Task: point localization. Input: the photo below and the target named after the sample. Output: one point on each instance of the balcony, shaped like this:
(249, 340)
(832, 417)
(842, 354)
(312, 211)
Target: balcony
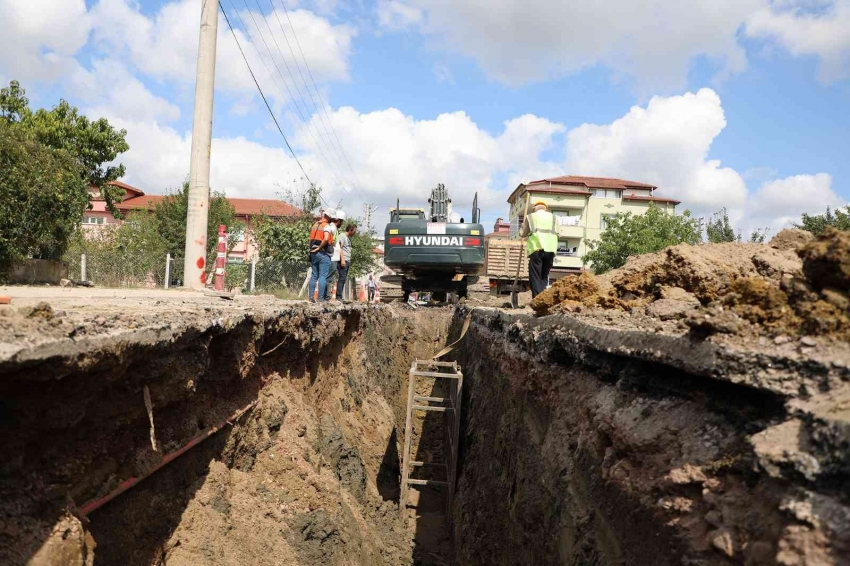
(568, 259)
(574, 231)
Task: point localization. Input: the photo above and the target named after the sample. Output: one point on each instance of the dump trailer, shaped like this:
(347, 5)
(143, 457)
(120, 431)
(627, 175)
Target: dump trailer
(502, 255)
(430, 251)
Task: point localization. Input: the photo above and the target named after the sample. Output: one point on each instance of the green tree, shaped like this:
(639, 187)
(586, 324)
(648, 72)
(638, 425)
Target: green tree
(94, 144)
(42, 198)
(170, 217)
(629, 235)
(817, 223)
(718, 229)
(284, 247)
(758, 236)
(362, 259)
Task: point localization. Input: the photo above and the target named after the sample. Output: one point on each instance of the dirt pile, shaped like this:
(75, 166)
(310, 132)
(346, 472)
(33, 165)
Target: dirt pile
(797, 285)
(568, 291)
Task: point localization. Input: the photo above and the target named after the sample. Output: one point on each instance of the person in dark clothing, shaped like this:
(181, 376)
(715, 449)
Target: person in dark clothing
(542, 244)
(539, 266)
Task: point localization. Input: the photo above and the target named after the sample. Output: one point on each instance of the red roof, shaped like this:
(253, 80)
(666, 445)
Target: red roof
(255, 206)
(651, 199)
(582, 185)
(595, 182)
(243, 206)
(129, 188)
(141, 202)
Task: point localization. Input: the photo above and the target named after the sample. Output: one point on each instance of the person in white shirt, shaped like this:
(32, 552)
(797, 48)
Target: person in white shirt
(333, 227)
(344, 263)
(371, 286)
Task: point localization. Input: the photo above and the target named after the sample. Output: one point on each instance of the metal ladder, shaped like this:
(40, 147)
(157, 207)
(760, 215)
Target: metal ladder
(450, 406)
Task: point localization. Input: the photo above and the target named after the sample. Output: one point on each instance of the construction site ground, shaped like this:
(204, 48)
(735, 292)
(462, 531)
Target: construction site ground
(692, 407)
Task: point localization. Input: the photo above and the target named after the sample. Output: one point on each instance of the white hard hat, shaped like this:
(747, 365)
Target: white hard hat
(340, 214)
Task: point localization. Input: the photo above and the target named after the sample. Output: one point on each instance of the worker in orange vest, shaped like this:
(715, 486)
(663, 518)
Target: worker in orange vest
(321, 248)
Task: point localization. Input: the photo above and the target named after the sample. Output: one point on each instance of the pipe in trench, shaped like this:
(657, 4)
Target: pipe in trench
(96, 504)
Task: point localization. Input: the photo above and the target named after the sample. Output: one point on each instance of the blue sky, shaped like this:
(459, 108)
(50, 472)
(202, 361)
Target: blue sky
(742, 104)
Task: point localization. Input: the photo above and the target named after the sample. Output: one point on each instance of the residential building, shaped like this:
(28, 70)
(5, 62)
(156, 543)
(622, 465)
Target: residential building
(98, 217)
(136, 199)
(581, 206)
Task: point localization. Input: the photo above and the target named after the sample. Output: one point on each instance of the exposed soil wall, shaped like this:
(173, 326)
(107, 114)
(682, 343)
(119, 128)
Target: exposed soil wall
(307, 475)
(584, 444)
(585, 439)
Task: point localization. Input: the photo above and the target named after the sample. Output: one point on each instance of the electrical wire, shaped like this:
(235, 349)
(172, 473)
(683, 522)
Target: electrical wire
(320, 110)
(265, 100)
(321, 152)
(328, 147)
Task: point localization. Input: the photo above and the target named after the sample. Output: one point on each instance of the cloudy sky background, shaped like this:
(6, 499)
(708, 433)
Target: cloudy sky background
(736, 103)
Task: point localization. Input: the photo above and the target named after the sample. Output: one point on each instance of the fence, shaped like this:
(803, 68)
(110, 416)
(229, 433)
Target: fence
(107, 269)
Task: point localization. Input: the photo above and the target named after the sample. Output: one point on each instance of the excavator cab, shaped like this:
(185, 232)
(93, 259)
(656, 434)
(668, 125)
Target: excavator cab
(430, 251)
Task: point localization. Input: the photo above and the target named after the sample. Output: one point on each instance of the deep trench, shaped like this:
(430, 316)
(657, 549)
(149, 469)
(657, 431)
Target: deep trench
(553, 467)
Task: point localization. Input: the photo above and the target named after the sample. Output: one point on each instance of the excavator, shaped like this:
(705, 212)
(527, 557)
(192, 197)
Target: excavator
(439, 253)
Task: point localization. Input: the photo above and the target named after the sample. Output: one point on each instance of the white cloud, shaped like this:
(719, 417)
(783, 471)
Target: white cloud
(110, 90)
(778, 203)
(159, 159)
(397, 15)
(38, 38)
(666, 144)
(394, 155)
(164, 47)
(822, 30)
(516, 41)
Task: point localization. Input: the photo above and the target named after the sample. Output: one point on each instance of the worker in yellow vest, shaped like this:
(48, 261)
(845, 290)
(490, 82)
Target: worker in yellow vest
(542, 244)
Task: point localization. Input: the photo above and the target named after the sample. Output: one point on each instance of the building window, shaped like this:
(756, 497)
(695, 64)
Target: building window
(605, 193)
(566, 248)
(603, 221)
(94, 220)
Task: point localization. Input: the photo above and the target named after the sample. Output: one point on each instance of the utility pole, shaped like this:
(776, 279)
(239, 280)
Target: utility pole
(194, 261)
(368, 209)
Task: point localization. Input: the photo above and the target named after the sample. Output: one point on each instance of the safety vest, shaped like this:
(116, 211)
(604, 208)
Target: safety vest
(317, 234)
(544, 232)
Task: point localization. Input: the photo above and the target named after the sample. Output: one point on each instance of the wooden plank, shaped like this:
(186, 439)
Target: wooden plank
(435, 363)
(408, 424)
(427, 482)
(435, 409)
(420, 399)
(434, 374)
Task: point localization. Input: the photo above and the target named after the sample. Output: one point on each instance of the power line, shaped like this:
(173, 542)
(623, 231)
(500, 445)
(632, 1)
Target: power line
(319, 95)
(321, 151)
(263, 96)
(328, 146)
(320, 110)
(313, 80)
